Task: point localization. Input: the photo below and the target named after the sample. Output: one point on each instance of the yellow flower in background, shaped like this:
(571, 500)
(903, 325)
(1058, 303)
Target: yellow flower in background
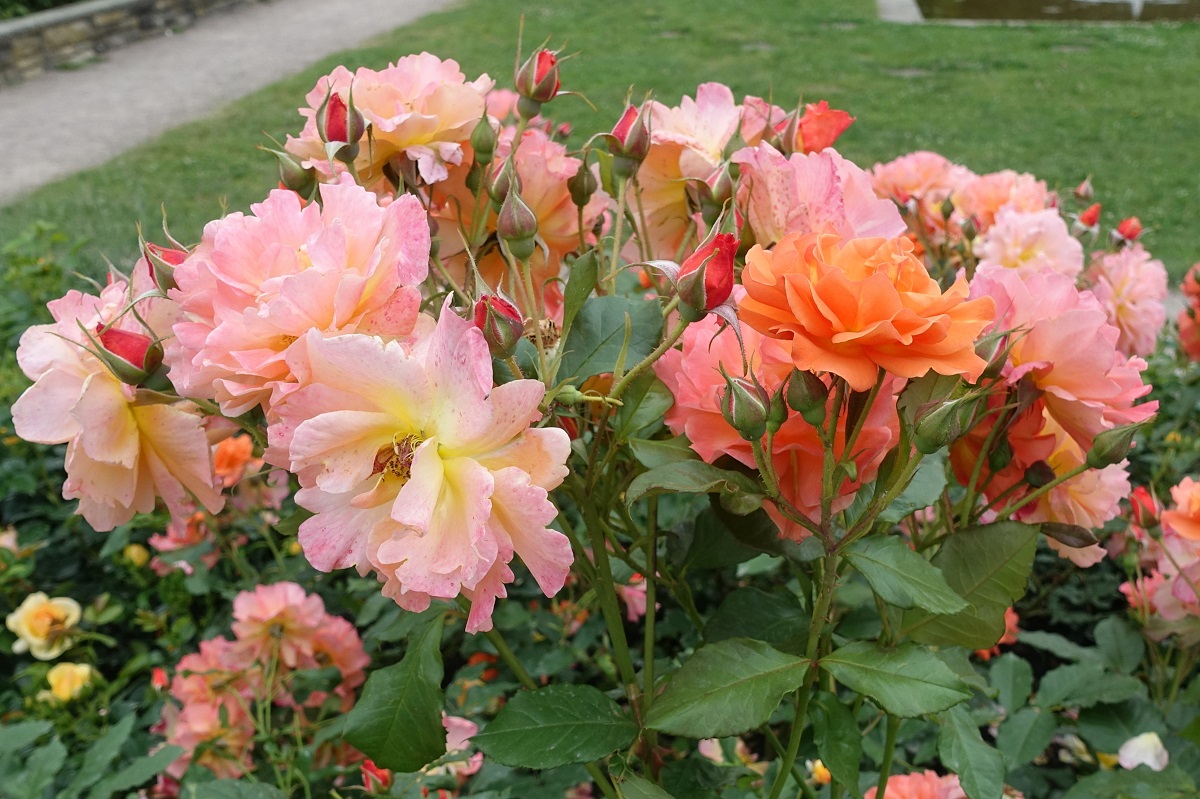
(66, 680)
(43, 625)
(136, 554)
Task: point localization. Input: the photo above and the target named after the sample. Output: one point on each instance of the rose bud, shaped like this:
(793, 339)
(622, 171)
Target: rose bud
(807, 395)
(1144, 510)
(501, 323)
(1090, 216)
(339, 122)
(706, 276)
(375, 779)
(746, 406)
(582, 185)
(130, 356)
(162, 264)
(517, 227)
(537, 81)
(1084, 190)
(629, 141)
(1128, 230)
(483, 141)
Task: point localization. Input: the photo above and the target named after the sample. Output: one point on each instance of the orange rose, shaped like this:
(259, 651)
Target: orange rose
(1184, 518)
(852, 306)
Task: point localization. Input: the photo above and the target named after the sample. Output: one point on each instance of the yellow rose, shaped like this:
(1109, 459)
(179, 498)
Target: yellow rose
(66, 681)
(136, 554)
(43, 626)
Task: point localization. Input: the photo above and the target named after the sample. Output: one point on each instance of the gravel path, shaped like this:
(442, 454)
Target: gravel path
(62, 122)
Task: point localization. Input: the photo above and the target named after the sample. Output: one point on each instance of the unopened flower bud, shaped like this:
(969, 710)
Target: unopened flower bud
(501, 323)
(706, 276)
(159, 680)
(517, 227)
(338, 121)
(807, 394)
(504, 181)
(1144, 510)
(1090, 216)
(537, 79)
(483, 141)
(293, 176)
(582, 185)
(1112, 446)
(746, 406)
(970, 228)
(778, 413)
(1039, 473)
(376, 779)
(1084, 190)
(136, 554)
(943, 425)
(947, 208)
(1128, 230)
(132, 357)
(162, 262)
(629, 142)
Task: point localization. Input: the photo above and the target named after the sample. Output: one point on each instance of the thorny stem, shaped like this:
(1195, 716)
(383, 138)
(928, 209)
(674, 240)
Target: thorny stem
(664, 345)
(889, 747)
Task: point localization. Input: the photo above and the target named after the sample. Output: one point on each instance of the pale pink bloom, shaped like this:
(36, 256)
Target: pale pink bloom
(1062, 340)
(981, 197)
(710, 749)
(693, 376)
(634, 597)
(687, 145)
(1144, 750)
(222, 731)
(502, 105)
(419, 469)
(923, 785)
(215, 672)
(124, 447)
(543, 168)
(184, 534)
(810, 193)
(1141, 592)
(760, 120)
(1028, 242)
(922, 180)
(420, 109)
(1131, 287)
(257, 283)
(458, 739)
(277, 619)
(336, 643)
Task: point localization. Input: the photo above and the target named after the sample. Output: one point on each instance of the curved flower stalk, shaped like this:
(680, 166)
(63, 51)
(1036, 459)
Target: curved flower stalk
(418, 469)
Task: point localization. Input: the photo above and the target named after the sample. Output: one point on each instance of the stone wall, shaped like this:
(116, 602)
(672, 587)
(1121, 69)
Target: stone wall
(74, 34)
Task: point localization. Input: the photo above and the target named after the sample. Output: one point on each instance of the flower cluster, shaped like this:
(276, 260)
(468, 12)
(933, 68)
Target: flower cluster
(279, 632)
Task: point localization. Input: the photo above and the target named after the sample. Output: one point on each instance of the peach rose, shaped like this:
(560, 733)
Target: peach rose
(853, 306)
(1184, 518)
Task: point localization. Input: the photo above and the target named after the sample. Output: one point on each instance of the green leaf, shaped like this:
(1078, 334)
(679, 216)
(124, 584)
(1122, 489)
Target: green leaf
(646, 401)
(232, 789)
(901, 577)
(690, 477)
(554, 726)
(14, 737)
(907, 681)
(839, 742)
(988, 567)
(38, 773)
(98, 758)
(979, 767)
(398, 720)
(634, 787)
(584, 271)
(659, 452)
(115, 542)
(922, 491)
(1012, 678)
(1107, 726)
(1140, 783)
(1025, 735)
(595, 341)
(1121, 645)
(1055, 644)
(753, 613)
(725, 689)
(708, 544)
(136, 773)
(1083, 685)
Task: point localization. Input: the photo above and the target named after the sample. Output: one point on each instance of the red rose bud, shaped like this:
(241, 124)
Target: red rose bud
(501, 323)
(537, 79)
(746, 406)
(629, 142)
(1129, 229)
(293, 176)
(339, 122)
(375, 779)
(517, 227)
(1144, 510)
(1084, 190)
(158, 679)
(1090, 216)
(132, 357)
(820, 126)
(483, 141)
(162, 264)
(706, 276)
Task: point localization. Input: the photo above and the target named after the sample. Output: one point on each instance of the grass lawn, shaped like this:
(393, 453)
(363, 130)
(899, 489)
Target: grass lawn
(1119, 102)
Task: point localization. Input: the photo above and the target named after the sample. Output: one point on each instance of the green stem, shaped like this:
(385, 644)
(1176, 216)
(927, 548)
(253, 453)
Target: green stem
(664, 345)
(889, 746)
(1037, 492)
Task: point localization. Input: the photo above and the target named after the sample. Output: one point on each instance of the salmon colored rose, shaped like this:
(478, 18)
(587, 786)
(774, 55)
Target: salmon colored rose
(854, 306)
(1184, 518)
